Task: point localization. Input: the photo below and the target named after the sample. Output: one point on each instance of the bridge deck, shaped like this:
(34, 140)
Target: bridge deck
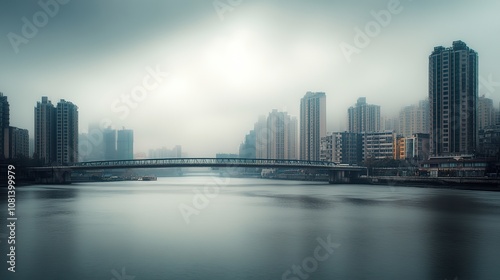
(208, 162)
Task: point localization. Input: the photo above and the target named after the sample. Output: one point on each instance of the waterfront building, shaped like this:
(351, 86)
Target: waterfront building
(378, 145)
(453, 96)
(342, 147)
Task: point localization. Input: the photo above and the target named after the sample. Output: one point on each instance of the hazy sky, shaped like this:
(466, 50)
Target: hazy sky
(228, 66)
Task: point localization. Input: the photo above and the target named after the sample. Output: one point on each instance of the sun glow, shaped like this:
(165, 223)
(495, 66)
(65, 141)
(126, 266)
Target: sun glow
(234, 60)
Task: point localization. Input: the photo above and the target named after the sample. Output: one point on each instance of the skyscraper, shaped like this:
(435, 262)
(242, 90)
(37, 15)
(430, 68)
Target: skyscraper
(4, 126)
(45, 131)
(312, 124)
(109, 140)
(453, 95)
(125, 144)
(281, 136)
(66, 132)
(364, 117)
(260, 129)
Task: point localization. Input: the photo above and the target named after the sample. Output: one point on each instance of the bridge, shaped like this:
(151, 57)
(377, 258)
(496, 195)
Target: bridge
(339, 173)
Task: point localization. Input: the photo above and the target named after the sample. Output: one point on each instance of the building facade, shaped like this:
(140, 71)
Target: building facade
(414, 119)
(342, 147)
(125, 144)
(417, 147)
(363, 117)
(260, 129)
(312, 124)
(486, 113)
(378, 145)
(4, 126)
(19, 143)
(281, 136)
(45, 131)
(66, 132)
(453, 96)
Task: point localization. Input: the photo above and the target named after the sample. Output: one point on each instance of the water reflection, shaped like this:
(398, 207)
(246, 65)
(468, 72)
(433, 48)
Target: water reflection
(254, 229)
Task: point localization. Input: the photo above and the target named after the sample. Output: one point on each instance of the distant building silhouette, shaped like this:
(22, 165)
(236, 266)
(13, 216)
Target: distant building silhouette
(486, 113)
(414, 119)
(453, 95)
(125, 144)
(364, 117)
(247, 148)
(260, 129)
(312, 124)
(281, 136)
(175, 152)
(109, 140)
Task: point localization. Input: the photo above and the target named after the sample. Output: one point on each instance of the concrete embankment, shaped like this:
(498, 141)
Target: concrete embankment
(472, 183)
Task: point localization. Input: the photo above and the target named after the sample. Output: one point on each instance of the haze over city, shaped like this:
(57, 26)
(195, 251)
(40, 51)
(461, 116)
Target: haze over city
(228, 66)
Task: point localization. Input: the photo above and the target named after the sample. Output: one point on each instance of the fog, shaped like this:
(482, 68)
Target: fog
(199, 73)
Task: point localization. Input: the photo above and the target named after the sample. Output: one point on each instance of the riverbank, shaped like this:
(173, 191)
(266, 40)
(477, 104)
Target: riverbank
(469, 183)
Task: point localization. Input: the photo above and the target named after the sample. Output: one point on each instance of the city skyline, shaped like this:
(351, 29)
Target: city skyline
(208, 76)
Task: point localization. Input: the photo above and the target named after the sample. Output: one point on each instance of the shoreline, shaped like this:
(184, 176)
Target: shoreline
(464, 183)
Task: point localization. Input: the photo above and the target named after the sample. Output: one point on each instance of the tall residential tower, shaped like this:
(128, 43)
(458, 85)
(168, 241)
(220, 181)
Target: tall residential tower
(453, 96)
(364, 117)
(312, 124)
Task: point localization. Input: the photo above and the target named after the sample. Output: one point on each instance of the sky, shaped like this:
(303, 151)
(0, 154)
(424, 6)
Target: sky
(199, 73)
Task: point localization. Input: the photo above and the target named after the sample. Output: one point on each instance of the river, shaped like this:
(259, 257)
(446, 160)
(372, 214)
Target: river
(207, 227)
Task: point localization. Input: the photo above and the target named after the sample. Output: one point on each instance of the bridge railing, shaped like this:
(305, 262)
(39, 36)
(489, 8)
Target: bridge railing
(207, 161)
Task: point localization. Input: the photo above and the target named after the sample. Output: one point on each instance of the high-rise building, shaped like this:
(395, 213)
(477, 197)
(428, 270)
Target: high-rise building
(453, 96)
(19, 143)
(390, 123)
(4, 126)
(312, 124)
(485, 113)
(45, 131)
(66, 132)
(281, 136)
(364, 117)
(261, 132)
(109, 140)
(125, 144)
(247, 148)
(414, 119)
